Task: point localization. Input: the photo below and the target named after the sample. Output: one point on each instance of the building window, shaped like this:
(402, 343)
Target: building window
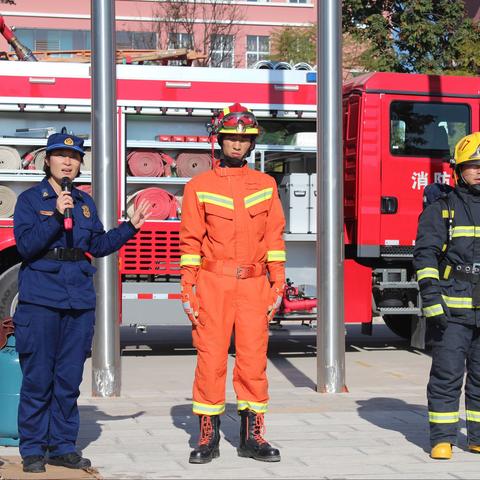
(136, 40)
(258, 48)
(298, 1)
(221, 47)
(179, 40)
(38, 39)
(42, 39)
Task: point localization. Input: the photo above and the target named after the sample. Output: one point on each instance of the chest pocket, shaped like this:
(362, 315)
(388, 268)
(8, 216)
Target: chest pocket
(215, 213)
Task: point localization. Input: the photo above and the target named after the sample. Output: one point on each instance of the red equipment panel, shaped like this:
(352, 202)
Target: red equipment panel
(153, 251)
(357, 289)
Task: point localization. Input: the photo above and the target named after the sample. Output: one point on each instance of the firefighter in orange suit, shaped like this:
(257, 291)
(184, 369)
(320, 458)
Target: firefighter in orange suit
(233, 276)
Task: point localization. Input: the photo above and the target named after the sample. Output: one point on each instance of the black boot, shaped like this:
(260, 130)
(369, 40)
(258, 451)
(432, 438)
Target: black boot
(34, 464)
(209, 439)
(252, 444)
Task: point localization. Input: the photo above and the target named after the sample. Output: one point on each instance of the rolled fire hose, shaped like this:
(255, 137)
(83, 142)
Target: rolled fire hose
(40, 159)
(145, 163)
(8, 199)
(9, 158)
(191, 164)
(87, 162)
(163, 203)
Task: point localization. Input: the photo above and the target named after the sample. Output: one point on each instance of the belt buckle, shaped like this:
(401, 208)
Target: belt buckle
(245, 271)
(61, 254)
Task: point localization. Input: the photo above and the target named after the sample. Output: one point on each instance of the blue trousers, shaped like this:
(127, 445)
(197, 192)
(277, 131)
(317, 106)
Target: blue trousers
(52, 345)
(454, 352)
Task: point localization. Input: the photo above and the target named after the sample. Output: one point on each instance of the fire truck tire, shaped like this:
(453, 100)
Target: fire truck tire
(9, 291)
(401, 325)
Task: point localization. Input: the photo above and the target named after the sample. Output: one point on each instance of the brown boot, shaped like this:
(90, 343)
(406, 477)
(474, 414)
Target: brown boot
(207, 447)
(252, 443)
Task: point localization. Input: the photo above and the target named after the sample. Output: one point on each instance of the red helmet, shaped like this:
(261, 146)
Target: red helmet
(235, 119)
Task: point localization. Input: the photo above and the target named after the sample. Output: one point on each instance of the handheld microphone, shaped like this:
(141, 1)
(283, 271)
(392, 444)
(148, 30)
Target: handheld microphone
(66, 186)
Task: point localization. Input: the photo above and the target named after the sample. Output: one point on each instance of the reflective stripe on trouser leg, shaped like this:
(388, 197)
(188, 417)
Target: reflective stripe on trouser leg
(472, 389)
(251, 341)
(449, 352)
(216, 296)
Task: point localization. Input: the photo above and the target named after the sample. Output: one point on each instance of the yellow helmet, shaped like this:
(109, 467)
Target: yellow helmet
(467, 149)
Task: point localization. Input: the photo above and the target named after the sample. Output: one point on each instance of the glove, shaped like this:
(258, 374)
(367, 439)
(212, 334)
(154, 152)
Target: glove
(432, 301)
(190, 304)
(276, 295)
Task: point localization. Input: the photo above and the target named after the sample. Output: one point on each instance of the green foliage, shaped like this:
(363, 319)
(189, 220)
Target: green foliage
(424, 36)
(294, 45)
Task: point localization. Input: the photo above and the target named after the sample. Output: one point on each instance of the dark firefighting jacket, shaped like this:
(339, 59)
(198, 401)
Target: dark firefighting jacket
(447, 257)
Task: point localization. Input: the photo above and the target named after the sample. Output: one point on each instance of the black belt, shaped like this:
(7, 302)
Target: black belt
(66, 254)
(467, 273)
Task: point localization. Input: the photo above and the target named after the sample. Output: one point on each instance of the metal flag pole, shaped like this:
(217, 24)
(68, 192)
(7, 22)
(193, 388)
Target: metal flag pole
(106, 371)
(330, 316)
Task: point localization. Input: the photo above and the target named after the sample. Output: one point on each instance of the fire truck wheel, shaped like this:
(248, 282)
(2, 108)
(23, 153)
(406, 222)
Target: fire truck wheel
(401, 325)
(9, 291)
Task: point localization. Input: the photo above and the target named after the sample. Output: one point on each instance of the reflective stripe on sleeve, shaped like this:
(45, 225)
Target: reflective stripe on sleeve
(189, 259)
(433, 310)
(427, 272)
(447, 271)
(276, 256)
(443, 417)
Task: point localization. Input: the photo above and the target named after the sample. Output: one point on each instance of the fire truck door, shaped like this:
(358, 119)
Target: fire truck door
(418, 142)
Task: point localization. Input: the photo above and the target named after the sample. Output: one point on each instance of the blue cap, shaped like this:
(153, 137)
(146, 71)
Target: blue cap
(57, 141)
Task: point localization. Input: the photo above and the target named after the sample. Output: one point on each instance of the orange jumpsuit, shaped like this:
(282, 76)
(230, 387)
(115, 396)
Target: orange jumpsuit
(230, 237)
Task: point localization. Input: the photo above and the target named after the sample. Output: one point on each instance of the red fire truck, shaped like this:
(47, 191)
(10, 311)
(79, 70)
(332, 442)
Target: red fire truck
(399, 134)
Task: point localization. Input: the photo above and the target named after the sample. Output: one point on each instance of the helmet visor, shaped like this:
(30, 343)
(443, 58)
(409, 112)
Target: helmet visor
(238, 122)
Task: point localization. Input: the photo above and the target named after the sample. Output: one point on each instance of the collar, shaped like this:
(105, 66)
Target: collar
(230, 172)
(47, 191)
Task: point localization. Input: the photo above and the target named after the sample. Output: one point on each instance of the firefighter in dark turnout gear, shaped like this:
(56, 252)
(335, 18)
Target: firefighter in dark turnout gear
(447, 263)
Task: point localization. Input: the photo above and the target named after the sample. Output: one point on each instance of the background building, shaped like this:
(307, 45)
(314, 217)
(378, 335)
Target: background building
(235, 34)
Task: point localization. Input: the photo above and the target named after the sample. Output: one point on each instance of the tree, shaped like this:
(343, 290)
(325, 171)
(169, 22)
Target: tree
(208, 27)
(425, 36)
(294, 45)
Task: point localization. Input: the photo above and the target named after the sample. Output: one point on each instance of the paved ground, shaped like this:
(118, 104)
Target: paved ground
(377, 430)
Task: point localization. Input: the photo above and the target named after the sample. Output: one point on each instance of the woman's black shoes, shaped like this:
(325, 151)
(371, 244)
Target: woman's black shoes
(70, 460)
(34, 464)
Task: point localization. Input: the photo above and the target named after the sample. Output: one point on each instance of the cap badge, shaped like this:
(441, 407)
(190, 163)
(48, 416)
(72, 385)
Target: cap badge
(86, 211)
(240, 127)
(68, 141)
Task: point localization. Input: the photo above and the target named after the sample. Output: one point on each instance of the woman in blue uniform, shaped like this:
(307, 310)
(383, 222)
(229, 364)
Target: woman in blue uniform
(55, 316)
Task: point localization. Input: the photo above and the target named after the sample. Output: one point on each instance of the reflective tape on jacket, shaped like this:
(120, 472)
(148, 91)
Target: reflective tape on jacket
(189, 259)
(215, 199)
(427, 272)
(254, 406)
(433, 310)
(257, 197)
(205, 409)
(473, 416)
(276, 256)
(458, 302)
(445, 213)
(443, 417)
(466, 231)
